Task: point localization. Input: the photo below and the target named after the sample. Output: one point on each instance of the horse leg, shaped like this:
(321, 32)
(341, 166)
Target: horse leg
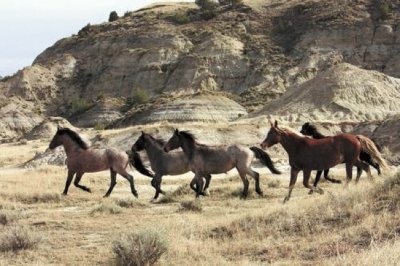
(256, 177)
(306, 178)
(293, 178)
(77, 180)
(368, 159)
(317, 178)
(199, 183)
(245, 181)
(349, 172)
(69, 180)
(113, 176)
(333, 180)
(193, 184)
(126, 175)
(157, 185)
(364, 166)
(207, 184)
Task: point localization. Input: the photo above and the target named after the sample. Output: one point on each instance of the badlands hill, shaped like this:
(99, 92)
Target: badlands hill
(329, 60)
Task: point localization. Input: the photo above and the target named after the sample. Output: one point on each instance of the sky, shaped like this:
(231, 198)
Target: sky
(28, 27)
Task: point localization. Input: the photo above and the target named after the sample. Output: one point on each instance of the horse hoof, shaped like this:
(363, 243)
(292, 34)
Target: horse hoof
(206, 192)
(88, 190)
(285, 199)
(106, 195)
(135, 194)
(310, 192)
(64, 194)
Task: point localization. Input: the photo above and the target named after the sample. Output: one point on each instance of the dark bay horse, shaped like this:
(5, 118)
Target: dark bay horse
(306, 154)
(205, 160)
(163, 163)
(373, 158)
(83, 159)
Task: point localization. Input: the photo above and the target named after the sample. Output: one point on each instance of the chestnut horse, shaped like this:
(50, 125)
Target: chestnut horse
(83, 159)
(373, 158)
(205, 160)
(163, 163)
(306, 154)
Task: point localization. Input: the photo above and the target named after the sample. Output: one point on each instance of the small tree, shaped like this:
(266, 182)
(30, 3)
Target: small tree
(113, 16)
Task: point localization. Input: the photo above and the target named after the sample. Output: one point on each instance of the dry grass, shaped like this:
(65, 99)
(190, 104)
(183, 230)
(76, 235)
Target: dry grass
(139, 248)
(192, 206)
(335, 228)
(106, 207)
(18, 238)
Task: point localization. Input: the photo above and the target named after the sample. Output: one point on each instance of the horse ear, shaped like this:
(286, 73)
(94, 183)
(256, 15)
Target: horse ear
(270, 123)
(276, 123)
(142, 132)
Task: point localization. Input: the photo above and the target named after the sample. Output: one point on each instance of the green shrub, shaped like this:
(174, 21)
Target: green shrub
(385, 11)
(140, 95)
(139, 248)
(84, 31)
(230, 2)
(113, 16)
(79, 106)
(179, 17)
(206, 4)
(99, 126)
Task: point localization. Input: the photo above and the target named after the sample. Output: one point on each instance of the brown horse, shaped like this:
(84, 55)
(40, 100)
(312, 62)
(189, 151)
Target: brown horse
(373, 158)
(83, 159)
(163, 163)
(306, 154)
(205, 160)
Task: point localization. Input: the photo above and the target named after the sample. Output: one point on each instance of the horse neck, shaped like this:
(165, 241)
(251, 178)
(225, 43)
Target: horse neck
(153, 149)
(70, 146)
(290, 141)
(188, 147)
(317, 135)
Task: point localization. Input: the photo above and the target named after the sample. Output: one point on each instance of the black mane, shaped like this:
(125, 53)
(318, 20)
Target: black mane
(313, 131)
(74, 136)
(191, 137)
(161, 142)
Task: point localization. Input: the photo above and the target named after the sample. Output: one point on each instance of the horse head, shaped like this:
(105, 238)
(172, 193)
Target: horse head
(273, 136)
(174, 142)
(307, 129)
(139, 144)
(57, 139)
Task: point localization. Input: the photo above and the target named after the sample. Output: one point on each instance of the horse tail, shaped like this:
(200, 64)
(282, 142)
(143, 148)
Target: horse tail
(368, 146)
(136, 162)
(265, 159)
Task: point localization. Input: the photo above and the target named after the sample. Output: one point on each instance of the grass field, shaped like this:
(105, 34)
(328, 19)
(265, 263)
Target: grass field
(359, 225)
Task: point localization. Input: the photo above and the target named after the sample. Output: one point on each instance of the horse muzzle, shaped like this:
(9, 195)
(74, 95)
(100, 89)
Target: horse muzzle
(264, 145)
(166, 149)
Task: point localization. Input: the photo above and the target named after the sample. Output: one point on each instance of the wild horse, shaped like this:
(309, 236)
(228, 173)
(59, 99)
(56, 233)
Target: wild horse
(163, 163)
(306, 154)
(83, 159)
(373, 158)
(205, 160)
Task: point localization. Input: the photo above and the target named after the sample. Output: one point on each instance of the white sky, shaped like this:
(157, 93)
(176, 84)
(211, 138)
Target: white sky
(28, 27)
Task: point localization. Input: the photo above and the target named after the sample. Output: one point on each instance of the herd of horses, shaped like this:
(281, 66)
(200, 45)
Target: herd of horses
(305, 154)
